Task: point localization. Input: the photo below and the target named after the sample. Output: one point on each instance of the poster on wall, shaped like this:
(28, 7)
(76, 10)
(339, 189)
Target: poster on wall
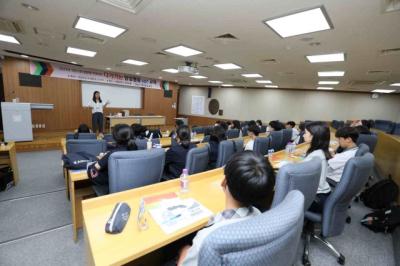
(70, 72)
(198, 105)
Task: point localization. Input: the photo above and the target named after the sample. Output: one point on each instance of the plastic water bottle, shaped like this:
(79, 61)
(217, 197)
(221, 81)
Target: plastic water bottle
(184, 180)
(149, 144)
(288, 148)
(270, 152)
(292, 147)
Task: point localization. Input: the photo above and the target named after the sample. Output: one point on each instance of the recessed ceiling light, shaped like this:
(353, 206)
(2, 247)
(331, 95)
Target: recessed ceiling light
(263, 81)
(24, 56)
(323, 58)
(159, 77)
(30, 7)
(271, 86)
(73, 62)
(8, 38)
(176, 80)
(331, 74)
(252, 75)
(198, 77)
(215, 81)
(383, 91)
(227, 85)
(300, 23)
(137, 73)
(97, 27)
(171, 70)
(183, 51)
(325, 88)
(328, 82)
(228, 66)
(395, 84)
(134, 62)
(108, 68)
(77, 51)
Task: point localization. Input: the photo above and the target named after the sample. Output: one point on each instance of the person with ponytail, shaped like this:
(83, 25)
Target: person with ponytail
(175, 157)
(124, 138)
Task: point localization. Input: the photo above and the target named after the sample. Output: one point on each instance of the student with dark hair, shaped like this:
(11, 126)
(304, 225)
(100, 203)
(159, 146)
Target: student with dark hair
(224, 125)
(252, 123)
(253, 132)
(318, 135)
(175, 157)
(178, 124)
(236, 124)
(347, 138)
(248, 183)
(275, 125)
(364, 128)
(139, 131)
(83, 128)
(97, 106)
(295, 132)
(259, 123)
(123, 136)
(300, 137)
(217, 135)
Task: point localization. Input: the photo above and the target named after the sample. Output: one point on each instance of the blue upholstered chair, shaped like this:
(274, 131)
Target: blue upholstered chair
(384, 125)
(245, 131)
(286, 136)
(271, 238)
(396, 129)
(362, 149)
(92, 146)
(263, 129)
(232, 133)
(303, 177)
(142, 143)
(334, 215)
(261, 145)
(197, 160)
(369, 140)
(276, 140)
(198, 130)
(226, 149)
(81, 136)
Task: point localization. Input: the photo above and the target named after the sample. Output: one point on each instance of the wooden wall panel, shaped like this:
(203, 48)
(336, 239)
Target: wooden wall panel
(66, 95)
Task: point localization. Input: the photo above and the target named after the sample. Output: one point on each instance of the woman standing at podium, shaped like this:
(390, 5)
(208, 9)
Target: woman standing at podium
(97, 106)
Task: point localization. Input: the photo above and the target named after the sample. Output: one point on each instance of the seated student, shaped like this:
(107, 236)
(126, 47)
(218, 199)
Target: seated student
(300, 137)
(83, 128)
(217, 135)
(249, 181)
(295, 132)
(318, 135)
(139, 131)
(123, 135)
(178, 124)
(153, 134)
(274, 125)
(229, 124)
(175, 157)
(224, 125)
(259, 123)
(252, 123)
(347, 138)
(236, 125)
(253, 132)
(364, 128)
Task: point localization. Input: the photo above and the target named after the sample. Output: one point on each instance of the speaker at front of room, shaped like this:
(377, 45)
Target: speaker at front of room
(221, 112)
(209, 92)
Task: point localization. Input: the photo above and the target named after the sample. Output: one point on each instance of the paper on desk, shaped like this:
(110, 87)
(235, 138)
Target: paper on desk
(174, 214)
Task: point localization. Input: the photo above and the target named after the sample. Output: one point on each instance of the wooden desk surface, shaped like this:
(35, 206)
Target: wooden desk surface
(132, 243)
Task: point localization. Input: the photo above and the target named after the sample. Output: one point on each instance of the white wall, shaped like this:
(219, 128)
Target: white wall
(270, 104)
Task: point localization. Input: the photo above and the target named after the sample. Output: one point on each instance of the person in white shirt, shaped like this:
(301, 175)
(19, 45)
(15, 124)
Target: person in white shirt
(347, 138)
(97, 106)
(295, 132)
(318, 135)
(253, 132)
(248, 186)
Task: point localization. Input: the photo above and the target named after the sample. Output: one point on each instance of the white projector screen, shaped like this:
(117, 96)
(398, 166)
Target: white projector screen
(119, 96)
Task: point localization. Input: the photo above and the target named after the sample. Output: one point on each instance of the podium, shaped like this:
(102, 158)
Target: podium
(17, 120)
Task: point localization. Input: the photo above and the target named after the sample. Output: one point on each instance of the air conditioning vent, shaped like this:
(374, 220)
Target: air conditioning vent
(205, 66)
(226, 36)
(90, 39)
(269, 61)
(364, 83)
(133, 6)
(393, 51)
(11, 26)
(161, 53)
(391, 5)
(49, 34)
(238, 81)
(379, 72)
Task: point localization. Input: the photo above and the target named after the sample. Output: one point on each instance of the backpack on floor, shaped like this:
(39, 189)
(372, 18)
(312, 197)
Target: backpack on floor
(383, 220)
(6, 178)
(381, 195)
(77, 160)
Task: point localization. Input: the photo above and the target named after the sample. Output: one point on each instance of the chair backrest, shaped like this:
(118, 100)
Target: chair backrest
(197, 160)
(263, 129)
(271, 238)
(276, 140)
(286, 136)
(109, 138)
(370, 140)
(198, 130)
(92, 146)
(261, 145)
(245, 131)
(226, 149)
(132, 169)
(206, 138)
(302, 176)
(355, 176)
(362, 149)
(81, 136)
(142, 143)
(384, 125)
(232, 133)
(396, 129)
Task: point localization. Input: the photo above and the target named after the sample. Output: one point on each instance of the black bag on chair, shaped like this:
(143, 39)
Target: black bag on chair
(77, 160)
(381, 195)
(6, 178)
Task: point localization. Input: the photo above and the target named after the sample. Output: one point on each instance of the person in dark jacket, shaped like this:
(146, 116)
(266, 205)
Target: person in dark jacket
(217, 135)
(175, 157)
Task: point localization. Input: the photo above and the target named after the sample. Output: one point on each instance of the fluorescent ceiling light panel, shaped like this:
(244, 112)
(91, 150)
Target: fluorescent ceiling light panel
(8, 38)
(24, 56)
(252, 75)
(134, 62)
(325, 58)
(395, 84)
(215, 81)
(227, 85)
(228, 66)
(171, 70)
(97, 27)
(263, 81)
(77, 51)
(325, 88)
(300, 23)
(198, 77)
(328, 82)
(183, 51)
(271, 86)
(331, 74)
(383, 91)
